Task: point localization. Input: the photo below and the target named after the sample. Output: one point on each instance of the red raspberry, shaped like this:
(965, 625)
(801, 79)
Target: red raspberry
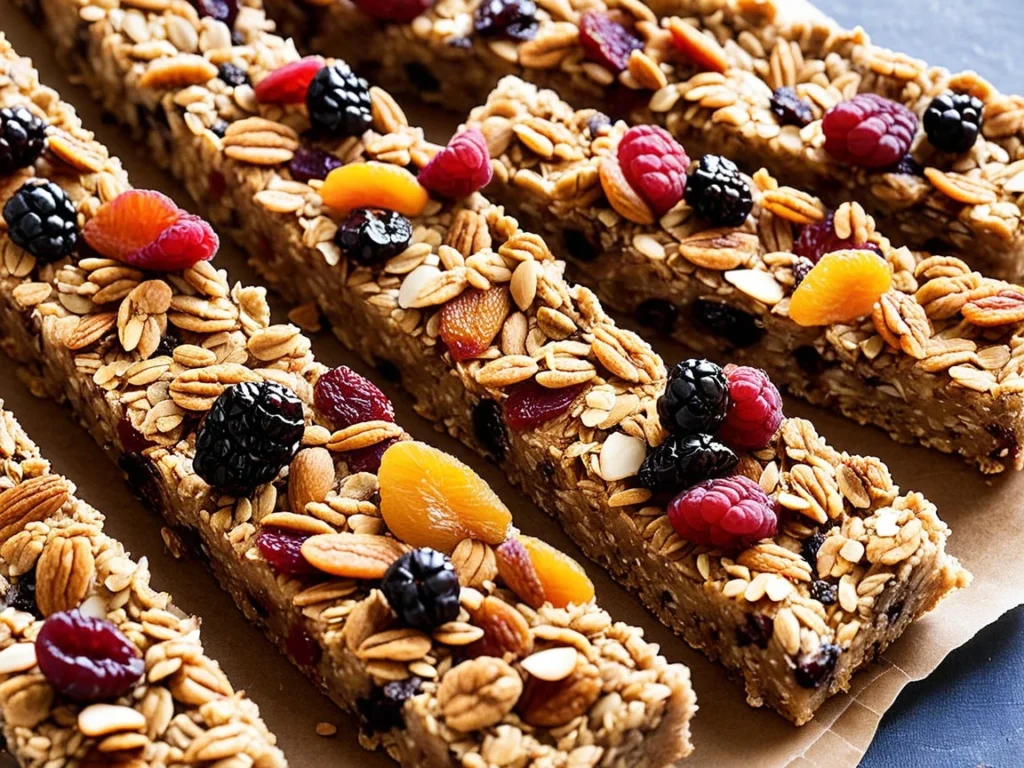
(818, 239)
(282, 549)
(182, 245)
(655, 165)
(393, 10)
(288, 85)
(529, 405)
(461, 168)
(346, 398)
(869, 130)
(730, 513)
(607, 42)
(755, 408)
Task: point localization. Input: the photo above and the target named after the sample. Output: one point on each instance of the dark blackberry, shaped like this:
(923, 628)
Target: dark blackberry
(953, 121)
(814, 668)
(382, 709)
(369, 236)
(308, 164)
(790, 108)
(42, 219)
(250, 434)
(22, 139)
(718, 192)
(339, 102)
(489, 428)
(232, 75)
(696, 398)
(515, 19)
(21, 595)
(682, 461)
(168, 343)
(809, 549)
(422, 588)
(908, 166)
(824, 592)
(737, 327)
(659, 314)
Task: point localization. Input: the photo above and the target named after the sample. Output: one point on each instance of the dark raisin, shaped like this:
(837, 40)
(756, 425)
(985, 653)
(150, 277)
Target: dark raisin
(462, 42)
(908, 166)
(578, 246)
(489, 428)
(388, 370)
(421, 77)
(658, 314)
(810, 548)
(547, 469)
(814, 668)
(739, 328)
(894, 611)
(143, 477)
(515, 19)
(824, 592)
(21, 595)
(757, 630)
(232, 75)
(1007, 446)
(382, 709)
(810, 360)
(220, 127)
(790, 108)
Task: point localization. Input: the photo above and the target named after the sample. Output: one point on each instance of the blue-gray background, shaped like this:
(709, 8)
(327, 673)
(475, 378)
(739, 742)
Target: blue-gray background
(970, 712)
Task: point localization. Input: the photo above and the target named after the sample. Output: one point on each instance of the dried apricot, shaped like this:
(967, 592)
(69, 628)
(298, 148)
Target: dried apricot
(431, 499)
(841, 287)
(374, 185)
(470, 322)
(564, 579)
(702, 50)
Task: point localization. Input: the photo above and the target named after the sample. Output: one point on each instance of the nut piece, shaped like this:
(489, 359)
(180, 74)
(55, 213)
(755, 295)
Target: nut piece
(310, 477)
(64, 574)
(478, 693)
(352, 555)
(518, 572)
(621, 195)
(1004, 308)
(474, 562)
(552, 704)
(29, 502)
(506, 633)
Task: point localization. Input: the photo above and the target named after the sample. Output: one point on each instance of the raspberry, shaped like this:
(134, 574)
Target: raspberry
(682, 461)
(283, 550)
(515, 19)
(730, 513)
(346, 398)
(953, 121)
(655, 165)
(288, 84)
(790, 108)
(718, 192)
(869, 131)
(755, 408)
(393, 10)
(461, 168)
(87, 659)
(182, 245)
(422, 589)
(22, 138)
(529, 404)
(607, 42)
(695, 399)
(308, 164)
(817, 239)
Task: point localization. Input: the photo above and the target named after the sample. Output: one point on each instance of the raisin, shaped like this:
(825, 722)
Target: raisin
(757, 631)
(658, 314)
(814, 668)
(489, 428)
(737, 327)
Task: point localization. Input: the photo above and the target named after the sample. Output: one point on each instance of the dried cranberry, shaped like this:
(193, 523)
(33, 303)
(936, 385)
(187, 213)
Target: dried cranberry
(489, 428)
(393, 10)
(308, 164)
(130, 438)
(283, 550)
(529, 404)
(85, 658)
(515, 19)
(737, 327)
(817, 239)
(606, 41)
(220, 10)
(288, 84)
(346, 398)
(303, 648)
(813, 668)
(368, 459)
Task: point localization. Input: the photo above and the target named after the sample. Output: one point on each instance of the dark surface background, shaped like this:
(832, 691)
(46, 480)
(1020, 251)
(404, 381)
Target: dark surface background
(970, 712)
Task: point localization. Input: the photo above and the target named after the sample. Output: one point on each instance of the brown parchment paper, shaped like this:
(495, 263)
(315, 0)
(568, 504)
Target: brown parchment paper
(987, 517)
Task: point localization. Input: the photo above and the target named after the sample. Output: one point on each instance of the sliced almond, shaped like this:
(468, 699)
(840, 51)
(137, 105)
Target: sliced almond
(102, 719)
(552, 664)
(19, 657)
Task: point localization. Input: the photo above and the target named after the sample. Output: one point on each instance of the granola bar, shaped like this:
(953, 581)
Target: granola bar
(175, 707)
(226, 423)
(710, 70)
(929, 364)
(473, 309)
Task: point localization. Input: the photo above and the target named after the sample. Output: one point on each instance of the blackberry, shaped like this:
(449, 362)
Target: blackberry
(790, 108)
(718, 192)
(382, 709)
(232, 75)
(809, 549)
(515, 19)
(695, 399)
(370, 236)
(42, 219)
(814, 668)
(682, 461)
(22, 139)
(250, 434)
(824, 592)
(339, 102)
(22, 595)
(737, 327)
(953, 121)
(422, 588)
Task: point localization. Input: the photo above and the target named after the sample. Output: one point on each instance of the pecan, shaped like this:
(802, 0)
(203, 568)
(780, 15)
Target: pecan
(549, 704)
(902, 323)
(177, 72)
(720, 249)
(33, 500)
(352, 555)
(83, 156)
(363, 435)
(404, 644)
(518, 572)
(1004, 308)
(468, 233)
(478, 693)
(64, 574)
(310, 477)
(506, 632)
(26, 700)
(196, 389)
(90, 329)
(474, 562)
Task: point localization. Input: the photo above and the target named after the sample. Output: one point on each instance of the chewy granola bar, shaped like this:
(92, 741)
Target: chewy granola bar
(269, 463)
(70, 589)
(933, 362)
(711, 72)
(474, 314)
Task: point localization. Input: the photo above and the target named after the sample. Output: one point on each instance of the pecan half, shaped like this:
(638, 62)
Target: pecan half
(30, 501)
(64, 574)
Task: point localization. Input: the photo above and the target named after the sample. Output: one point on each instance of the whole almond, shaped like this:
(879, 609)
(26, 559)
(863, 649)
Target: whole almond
(310, 477)
(623, 198)
(518, 572)
(33, 500)
(352, 555)
(506, 633)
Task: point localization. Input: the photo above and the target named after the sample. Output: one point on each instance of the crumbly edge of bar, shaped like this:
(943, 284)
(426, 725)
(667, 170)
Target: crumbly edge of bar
(623, 701)
(284, 219)
(942, 370)
(192, 713)
(972, 202)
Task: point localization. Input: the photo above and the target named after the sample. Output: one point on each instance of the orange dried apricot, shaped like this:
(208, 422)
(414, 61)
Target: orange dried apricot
(431, 499)
(841, 287)
(470, 322)
(374, 185)
(564, 579)
(702, 50)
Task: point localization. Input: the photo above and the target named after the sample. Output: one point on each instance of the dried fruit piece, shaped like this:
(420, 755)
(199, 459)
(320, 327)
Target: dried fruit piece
(308, 164)
(841, 287)
(368, 459)
(869, 130)
(220, 10)
(370, 237)
(702, 50)
(563, 579)
(790, 108)
(655, 165)
(606, 41)
(518, 572)
(817, 239)
(288, 84)
(422, 588)
(352, 555)
(461, 168)
(529, 404)
(431, 499)
(346, 398)
(282, 549)
(730, 513)
(470, 322)
(515, 19)
(374, 185)
(506, 631)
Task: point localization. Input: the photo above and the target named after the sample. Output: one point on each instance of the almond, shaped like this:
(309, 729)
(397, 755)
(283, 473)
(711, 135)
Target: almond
(550, 704)
(506, 632)
(352, 555)
(310, 477)
(29, 502)
(623, 198)
(64, 574)
(518, 572)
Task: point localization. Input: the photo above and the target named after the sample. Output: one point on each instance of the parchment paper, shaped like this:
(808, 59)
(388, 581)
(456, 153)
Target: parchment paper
(987, 517)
